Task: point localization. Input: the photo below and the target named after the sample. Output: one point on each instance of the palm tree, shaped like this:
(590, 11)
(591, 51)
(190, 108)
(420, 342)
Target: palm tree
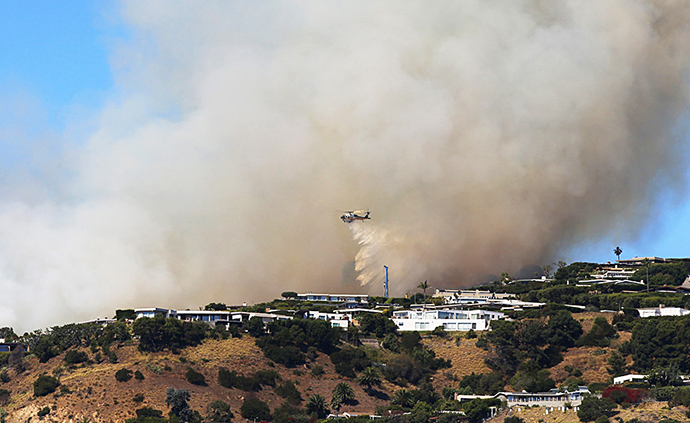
(618, 252)
(342, 394)
(423, 286)
(369, 378)
(403, 398)
(316, 404)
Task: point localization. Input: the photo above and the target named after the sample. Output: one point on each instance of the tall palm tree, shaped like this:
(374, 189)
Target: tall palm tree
(423, 286)
(369, 378)
(316, 404)
(342, 394)
(618, 252)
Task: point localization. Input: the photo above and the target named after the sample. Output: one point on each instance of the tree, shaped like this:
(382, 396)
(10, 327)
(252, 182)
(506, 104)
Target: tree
(316, 405)
(617, 251)
(369, 378)
(216, 306)
(546, 270)
(592, 408)
(125, 314)
(177, 401)
(562, 330)
(616, 365)
(423, 286)
(289, 294)
(403, 398)
(45, 385)
(342, 394)
(219, 411)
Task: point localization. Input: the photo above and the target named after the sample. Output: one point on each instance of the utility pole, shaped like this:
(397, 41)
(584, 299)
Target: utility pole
(385, 284)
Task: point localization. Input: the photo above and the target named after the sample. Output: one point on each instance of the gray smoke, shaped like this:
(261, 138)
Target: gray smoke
(483, 135)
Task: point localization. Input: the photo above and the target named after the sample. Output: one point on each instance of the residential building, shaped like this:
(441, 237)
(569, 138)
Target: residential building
(337, 320)
(154, 311)
(629, 378)
(553, 398)
(662, 311)
(455, 296)
(334, 298)
(450, 320)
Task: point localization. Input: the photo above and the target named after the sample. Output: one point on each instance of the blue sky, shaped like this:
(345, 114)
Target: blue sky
(55, 65)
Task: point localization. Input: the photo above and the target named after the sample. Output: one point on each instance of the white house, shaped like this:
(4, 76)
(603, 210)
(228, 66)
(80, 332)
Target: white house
(629, 378)
(662, 311)
(208, 316)
(553, 398)
(455, 296)
(154, 311)
(450, 320)
(337, 320)
(334, 298)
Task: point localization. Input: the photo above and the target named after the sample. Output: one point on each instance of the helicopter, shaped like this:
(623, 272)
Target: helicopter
(351, 216)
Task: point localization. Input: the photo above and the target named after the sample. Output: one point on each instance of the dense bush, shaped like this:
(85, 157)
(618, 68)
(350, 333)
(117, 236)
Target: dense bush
(481, 384)
(138, 398)
(660, 342)
(75, 357)
(267, 377)
(123, 375)
(376, 324)
(592, 408)
(289, 391)
(254, 408)
(195, 378)
(4, 397)
(158, 334)
(139, 375)
(45, 385)
(147, 415)
(230, 379)
(219, 411)
(599, 336)
(286, 341)
(43, 412)
(350, 360)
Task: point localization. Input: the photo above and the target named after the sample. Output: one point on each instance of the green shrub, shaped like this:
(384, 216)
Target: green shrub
(148, 415)
(317, 370)
(43, 411)
(267, 377)
(230, 379)
(4, 396)
(254, 408)
(219, 411)
(75, 357)
(4, 358)
(195, 378)
(139, 375)
(45, 385)
(123, 375)
(289, 391)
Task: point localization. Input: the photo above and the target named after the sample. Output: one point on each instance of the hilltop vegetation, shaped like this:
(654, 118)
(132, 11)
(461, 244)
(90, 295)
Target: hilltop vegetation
(167, 370)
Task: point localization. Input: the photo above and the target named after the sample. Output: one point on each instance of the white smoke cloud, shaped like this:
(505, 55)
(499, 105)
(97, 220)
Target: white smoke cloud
(483, 135)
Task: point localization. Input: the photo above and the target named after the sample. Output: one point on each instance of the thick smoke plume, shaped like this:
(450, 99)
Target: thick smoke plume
(483, 135)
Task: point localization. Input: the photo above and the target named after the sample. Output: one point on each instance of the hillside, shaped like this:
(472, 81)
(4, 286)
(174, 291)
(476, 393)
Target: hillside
(90, 392)
(96, 395)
